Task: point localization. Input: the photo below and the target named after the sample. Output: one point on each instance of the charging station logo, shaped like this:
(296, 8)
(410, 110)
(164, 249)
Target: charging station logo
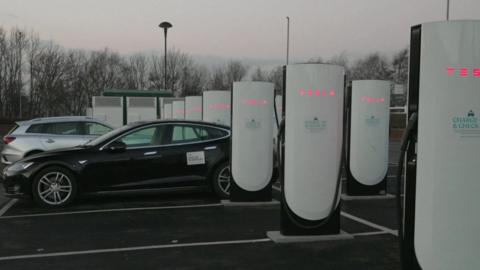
(467, 126)
(372, 121)
(252, 124)
(315, 125)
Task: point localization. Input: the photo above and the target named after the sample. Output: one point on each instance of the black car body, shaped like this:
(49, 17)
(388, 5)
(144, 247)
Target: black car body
(146, 155)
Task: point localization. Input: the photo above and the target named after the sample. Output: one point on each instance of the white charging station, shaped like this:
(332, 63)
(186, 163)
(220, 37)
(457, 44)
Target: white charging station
(251, 159)
(167, 110)
(178, 109)
(217, 107)
(193, 108)
(443, 166)
(313, 109)
(368, 114)
(108, 109)
(141, 109)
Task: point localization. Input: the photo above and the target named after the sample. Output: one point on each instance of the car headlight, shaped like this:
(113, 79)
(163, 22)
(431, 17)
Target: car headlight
(20, 166)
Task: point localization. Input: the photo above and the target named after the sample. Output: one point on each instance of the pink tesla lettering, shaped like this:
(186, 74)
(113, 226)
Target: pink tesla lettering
(464, 72)
(450, 71)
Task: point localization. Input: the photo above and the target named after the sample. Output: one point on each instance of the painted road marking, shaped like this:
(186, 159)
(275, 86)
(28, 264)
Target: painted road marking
(124, 249)
(112, 210)
(7, 206)
(360, 220)
(368, 223)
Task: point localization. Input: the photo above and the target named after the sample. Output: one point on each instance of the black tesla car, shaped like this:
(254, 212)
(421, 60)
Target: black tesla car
(159, 154)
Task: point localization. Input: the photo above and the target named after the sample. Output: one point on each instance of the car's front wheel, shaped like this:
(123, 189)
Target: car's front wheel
(221, 180)
(54, 187)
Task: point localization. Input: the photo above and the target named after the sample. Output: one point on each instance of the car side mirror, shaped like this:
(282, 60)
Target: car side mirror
(116, 147)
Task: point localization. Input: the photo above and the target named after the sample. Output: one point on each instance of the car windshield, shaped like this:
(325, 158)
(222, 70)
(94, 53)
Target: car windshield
(107, 136)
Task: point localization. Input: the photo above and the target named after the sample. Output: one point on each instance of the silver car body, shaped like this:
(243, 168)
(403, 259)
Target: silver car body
(44, 134)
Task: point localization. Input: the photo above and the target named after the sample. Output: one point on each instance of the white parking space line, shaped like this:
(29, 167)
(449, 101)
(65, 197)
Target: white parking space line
(363, 221)
(124, 249)
(368, 223)
(7, 206)
(112, 210)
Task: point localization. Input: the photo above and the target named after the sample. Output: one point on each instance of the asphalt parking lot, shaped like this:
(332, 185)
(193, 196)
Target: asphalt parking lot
(188, 230)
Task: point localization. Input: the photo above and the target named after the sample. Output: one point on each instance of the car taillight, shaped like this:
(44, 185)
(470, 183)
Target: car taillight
(8, 139)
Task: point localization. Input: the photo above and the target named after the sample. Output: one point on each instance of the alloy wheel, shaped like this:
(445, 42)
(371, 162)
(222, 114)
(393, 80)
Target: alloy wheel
(54, 188)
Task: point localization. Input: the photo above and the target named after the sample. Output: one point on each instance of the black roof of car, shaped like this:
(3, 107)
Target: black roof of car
(142, 123)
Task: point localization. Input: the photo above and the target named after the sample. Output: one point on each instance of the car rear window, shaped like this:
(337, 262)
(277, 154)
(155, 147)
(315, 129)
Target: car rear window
(12, 129)
(215, 133)
(96, 129)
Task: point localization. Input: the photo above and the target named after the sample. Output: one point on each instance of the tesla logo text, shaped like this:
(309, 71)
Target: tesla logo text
(219, 106)
(195, 109)
(463, 72)
(372, 99)
(316, 92)
(254, 102)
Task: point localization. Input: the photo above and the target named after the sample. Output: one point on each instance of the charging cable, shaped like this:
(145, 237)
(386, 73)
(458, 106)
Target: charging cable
(406, 139)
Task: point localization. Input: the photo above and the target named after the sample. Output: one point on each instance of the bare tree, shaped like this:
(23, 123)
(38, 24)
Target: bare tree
(276, 77)
(218, 80)
(400, 66)
(259, 75)
(234, 72)
(372, 67)
(12, 51)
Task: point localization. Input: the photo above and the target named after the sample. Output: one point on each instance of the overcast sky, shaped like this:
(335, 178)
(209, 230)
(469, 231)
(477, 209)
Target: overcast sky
(232, 29)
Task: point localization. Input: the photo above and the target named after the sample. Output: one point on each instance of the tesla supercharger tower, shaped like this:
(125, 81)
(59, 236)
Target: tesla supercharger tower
(167, 111)
(251, 159)
(108, 109)
(141, 109)
(216, 107)
(368, 114)
(313, 104)
(193, 108)
(443, 162)
(178, 109)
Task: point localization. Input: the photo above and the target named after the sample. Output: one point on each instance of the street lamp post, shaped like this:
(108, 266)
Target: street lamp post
(288, 37)
(165, 26)
(448, 10)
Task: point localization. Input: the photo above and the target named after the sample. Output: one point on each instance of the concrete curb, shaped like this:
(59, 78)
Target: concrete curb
(278, 237)
(228, 203)
(358, 198)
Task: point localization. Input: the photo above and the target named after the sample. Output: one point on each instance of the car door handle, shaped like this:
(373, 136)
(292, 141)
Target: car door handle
(210, 148)
(50, 141)
(150, 153)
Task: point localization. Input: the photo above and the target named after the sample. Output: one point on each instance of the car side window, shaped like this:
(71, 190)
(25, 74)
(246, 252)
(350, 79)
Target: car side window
(184, 133)
(36, 128)
(150, 136)
(192, 133)
(63, 128)
(96, 129)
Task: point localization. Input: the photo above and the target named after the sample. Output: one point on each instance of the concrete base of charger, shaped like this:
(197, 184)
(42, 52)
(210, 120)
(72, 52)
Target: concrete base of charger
(278, 237)
(230, 203)
(374, 197)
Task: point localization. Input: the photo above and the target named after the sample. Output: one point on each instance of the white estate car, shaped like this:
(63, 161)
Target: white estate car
(43, 134)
